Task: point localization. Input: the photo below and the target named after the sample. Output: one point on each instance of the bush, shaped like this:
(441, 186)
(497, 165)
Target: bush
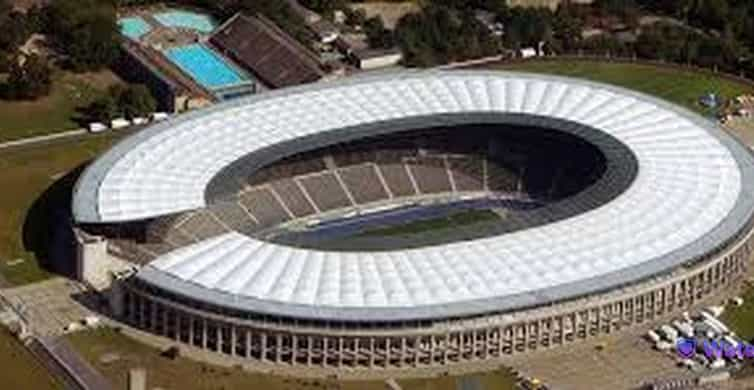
(130, 101)
(440, 35)
(29, 78)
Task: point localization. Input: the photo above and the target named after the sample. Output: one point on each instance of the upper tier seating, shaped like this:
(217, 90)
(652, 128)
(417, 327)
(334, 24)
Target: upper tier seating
(430, 173)
(263, 206)
(397, 179)
(467, 172)
(203, 224)
(326, 191)
(363, 183)
(293, 197)
(234, 216)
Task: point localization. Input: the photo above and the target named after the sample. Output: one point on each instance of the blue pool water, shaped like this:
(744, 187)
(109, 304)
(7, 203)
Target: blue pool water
(205, 66)
(133, 27)
(186, 19)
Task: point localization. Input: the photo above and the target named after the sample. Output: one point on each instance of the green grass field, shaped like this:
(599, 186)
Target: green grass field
(741, 319)
(677, 86)
(56, 112)
(187, 374)
(454, 220)
(20, 370)
(35, 183)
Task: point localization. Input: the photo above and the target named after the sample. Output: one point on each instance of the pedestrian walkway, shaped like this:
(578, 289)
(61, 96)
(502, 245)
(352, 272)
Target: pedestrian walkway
(48, 306)
(42, 138)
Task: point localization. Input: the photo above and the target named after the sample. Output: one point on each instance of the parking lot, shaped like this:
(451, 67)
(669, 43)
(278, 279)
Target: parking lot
(623, 361)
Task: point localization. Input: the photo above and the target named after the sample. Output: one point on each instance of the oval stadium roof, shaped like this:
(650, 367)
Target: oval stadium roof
(693, 191)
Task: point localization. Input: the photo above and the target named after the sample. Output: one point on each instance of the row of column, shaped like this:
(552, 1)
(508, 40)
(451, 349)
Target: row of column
(389, 348)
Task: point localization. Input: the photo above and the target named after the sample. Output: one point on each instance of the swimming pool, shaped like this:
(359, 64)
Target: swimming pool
(186, 19)
(205, 66)
(134, 27)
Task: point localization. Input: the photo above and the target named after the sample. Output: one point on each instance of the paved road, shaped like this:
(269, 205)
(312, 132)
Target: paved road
(65, 136)
(64, 362)
(42, 138)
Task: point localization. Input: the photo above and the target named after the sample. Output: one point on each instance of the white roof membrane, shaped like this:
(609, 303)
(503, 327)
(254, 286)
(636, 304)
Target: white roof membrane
(692, 192)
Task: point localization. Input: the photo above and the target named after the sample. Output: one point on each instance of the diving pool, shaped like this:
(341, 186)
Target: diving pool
(134, 27)
(186, 19)
(205, 66)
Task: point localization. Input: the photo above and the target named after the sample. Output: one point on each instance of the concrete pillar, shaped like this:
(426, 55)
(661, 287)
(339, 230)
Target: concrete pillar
(417, 350)
(340, 352)
(356, 353)
(402, 356)
(387, 352)
(204, 333)
(190, 329)
(371, 352)
(309, 350)
(219, 338)
(264, 347)
(278, 347)
(325, 352)
(233, 340)
(177, 325)
(248, 343)
(294, 349)
(502, 340)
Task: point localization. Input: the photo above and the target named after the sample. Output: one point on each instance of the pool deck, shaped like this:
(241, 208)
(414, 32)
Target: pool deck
(171, 71)
(154, 44)
(161, 36)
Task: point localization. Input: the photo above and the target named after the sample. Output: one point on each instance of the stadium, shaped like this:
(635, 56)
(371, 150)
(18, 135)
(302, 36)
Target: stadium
(418, 219)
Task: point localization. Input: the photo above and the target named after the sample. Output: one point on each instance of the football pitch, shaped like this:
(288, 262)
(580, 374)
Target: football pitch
(453, 220)
(405, 227)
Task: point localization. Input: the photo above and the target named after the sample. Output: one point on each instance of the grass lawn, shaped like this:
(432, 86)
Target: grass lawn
(741, 319)
(20, 370)
(455, 220)
(55, 112)
(186, 374)
(35, 185)
(677, 86)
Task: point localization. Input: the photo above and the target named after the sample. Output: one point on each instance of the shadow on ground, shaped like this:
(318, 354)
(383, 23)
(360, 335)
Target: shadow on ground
(47, 227)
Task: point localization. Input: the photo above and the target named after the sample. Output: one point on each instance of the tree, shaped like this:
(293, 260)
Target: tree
(29, 78)
(5, 7)
(137, 101)
(528, 26)
(325, 7)
(355, 17)
(103, 109)
(85, 30)
(5, 62)
(377, 35)
(567, 27)
(439, 34)
(130, 101)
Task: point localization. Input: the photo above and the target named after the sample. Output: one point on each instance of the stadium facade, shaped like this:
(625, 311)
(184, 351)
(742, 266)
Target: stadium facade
(646, 210)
